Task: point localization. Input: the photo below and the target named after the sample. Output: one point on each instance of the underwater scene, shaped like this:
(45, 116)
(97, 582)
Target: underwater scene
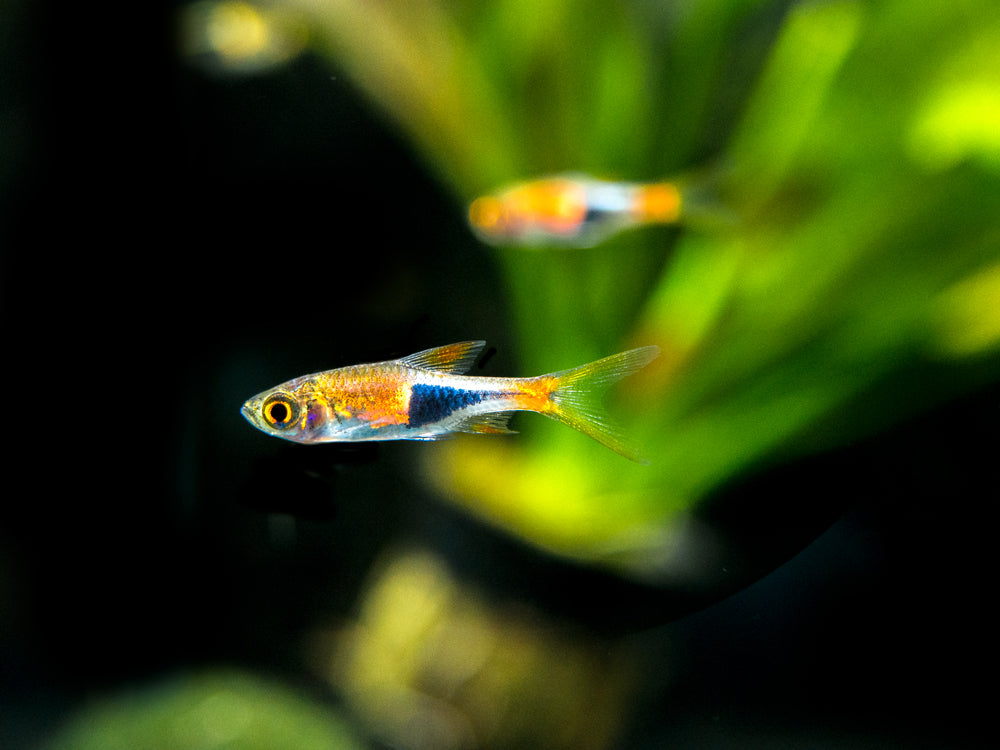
(440, 375)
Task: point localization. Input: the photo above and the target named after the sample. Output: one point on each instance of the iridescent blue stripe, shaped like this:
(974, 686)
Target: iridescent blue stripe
(432, 403)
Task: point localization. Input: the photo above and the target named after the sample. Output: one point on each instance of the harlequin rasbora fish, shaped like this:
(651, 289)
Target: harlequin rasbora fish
(571, 210)
(426, 396)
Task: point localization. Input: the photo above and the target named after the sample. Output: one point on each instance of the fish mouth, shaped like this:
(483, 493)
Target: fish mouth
(247, 413)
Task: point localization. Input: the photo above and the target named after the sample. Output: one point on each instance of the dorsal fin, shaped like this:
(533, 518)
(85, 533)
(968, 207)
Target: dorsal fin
(454, 359)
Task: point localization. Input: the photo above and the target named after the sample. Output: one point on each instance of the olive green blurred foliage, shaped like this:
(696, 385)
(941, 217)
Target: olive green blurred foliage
(856, 146)
(432, 662)
(205, 711)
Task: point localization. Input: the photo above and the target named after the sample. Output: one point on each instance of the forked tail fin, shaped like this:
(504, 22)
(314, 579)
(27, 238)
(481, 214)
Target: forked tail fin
(575, 399)
(703, 203)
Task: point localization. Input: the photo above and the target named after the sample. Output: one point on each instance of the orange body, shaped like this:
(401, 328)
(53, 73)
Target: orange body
(572, 211)
(425, 396)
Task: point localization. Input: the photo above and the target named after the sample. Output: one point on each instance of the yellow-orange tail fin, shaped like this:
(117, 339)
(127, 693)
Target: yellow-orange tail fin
(574, 400)
(658, 203)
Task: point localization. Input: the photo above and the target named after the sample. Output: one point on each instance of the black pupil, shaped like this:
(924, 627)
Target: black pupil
(279, 412)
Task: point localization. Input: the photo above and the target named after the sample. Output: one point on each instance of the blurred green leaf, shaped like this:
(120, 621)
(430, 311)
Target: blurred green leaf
(218, 709)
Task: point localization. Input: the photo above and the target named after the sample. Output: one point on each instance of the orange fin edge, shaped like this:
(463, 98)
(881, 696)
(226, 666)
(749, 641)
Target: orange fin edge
(455, 359)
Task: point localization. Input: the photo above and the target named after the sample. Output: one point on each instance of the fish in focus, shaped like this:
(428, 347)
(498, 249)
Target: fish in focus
(572, 210)
(427, 396)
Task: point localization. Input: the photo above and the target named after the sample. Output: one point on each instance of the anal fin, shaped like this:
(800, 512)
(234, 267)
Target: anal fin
(487, 424)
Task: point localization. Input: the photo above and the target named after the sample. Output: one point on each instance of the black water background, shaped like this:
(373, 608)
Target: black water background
(169, 240)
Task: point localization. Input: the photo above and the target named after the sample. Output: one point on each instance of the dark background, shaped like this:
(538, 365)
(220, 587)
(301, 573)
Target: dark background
(174, 242)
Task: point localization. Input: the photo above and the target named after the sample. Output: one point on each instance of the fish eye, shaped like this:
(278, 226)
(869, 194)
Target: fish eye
(280, 411)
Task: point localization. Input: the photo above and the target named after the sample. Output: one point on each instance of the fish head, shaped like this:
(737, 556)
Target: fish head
(542, 211)
(280, 412)
(491, 218)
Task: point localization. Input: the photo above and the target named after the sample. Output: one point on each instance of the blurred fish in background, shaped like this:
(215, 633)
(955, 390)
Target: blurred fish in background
(572, 210)
(580, 211)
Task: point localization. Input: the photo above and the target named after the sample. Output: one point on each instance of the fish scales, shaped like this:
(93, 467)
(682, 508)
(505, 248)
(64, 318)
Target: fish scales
(432, 403)
(425, 396)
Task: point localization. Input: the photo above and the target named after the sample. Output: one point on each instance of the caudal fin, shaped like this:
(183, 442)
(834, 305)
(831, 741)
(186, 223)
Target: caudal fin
(575, 399)
(703, 205)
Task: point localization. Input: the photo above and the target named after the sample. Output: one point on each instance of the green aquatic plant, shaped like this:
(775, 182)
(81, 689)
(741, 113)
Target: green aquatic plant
(857, 147)
(202, 711)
